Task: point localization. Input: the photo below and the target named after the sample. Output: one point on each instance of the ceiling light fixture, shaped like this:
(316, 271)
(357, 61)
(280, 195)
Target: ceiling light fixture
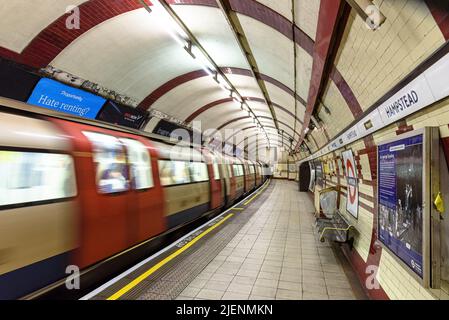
(163, 18)
(169, 21)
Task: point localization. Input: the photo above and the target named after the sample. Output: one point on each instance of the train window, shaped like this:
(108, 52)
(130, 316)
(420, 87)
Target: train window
(27, 177)
(235, 170)
(216, 171)
(173, 172)
(110, 161)
(251, 169)
(238, 170)
(140, 162)
(198, 171)
(230, 173)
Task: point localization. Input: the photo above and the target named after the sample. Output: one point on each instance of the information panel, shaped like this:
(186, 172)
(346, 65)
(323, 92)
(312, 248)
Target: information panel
(400, 219)
(352, 202)
(56, 96)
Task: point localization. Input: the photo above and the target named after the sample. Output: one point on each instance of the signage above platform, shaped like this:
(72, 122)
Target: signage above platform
(426, 89)
(56, 96)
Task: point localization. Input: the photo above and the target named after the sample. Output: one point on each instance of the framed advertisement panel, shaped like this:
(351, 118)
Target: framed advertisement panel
(352, 202)
(53, 95)
(312, 176)
(405, 187)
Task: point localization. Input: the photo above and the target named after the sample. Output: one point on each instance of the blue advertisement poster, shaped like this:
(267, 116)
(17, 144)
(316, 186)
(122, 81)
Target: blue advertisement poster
(56, 96)
(400, 170)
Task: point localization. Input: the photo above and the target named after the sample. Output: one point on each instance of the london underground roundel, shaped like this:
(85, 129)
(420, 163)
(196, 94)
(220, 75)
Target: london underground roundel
(352, 202)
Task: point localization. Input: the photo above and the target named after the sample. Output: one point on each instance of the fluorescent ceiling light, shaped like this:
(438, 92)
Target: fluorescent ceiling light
(167, 23)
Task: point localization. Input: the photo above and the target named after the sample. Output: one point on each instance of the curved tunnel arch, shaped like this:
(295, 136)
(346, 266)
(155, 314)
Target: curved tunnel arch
(104, 10)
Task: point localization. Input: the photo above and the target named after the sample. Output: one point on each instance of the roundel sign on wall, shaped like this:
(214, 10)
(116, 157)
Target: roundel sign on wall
(352, 202)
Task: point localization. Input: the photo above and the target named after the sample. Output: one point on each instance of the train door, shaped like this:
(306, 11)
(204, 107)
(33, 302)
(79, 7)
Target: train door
(252, 171)
(232, 180)
(104, 192)
(258, 176)
(216, 185)
(246, 176)
(146, 203)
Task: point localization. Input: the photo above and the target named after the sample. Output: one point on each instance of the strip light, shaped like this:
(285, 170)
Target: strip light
(163, 18)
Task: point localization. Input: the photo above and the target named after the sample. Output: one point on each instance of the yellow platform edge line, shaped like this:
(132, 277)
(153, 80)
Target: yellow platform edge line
(257, 194)
(153, 269)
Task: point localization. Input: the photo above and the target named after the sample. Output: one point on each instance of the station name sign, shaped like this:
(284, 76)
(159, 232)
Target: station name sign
(405, 102)
(413, 97)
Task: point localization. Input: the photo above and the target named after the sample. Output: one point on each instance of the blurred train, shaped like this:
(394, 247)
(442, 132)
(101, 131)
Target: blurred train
(78, 193)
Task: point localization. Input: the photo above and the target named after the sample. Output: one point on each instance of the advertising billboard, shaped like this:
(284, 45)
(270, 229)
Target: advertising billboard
(401, 199)
(56, 96)
(16, 83)
(122, 115)
(352, 202)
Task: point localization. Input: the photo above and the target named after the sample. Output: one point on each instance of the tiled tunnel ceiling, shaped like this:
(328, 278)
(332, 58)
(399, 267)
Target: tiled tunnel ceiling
(123, 47)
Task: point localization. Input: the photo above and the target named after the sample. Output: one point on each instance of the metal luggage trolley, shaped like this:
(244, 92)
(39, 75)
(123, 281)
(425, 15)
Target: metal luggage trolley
(330, 223)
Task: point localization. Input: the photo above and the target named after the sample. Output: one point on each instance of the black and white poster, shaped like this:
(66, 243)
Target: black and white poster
(400, 219)
(352, 202)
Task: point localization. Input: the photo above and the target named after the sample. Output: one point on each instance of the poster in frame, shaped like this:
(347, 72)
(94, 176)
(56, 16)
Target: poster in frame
(405, 186)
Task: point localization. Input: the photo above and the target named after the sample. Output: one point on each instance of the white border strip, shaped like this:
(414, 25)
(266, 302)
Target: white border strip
(140, 264)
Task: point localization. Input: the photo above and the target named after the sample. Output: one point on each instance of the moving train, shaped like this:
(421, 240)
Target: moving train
(78, 193)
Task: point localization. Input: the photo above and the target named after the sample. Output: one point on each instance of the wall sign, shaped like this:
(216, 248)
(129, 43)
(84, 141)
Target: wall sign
(370, 123)
(55, 96)
(400, 219)
(352, 202)
(410, 99)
